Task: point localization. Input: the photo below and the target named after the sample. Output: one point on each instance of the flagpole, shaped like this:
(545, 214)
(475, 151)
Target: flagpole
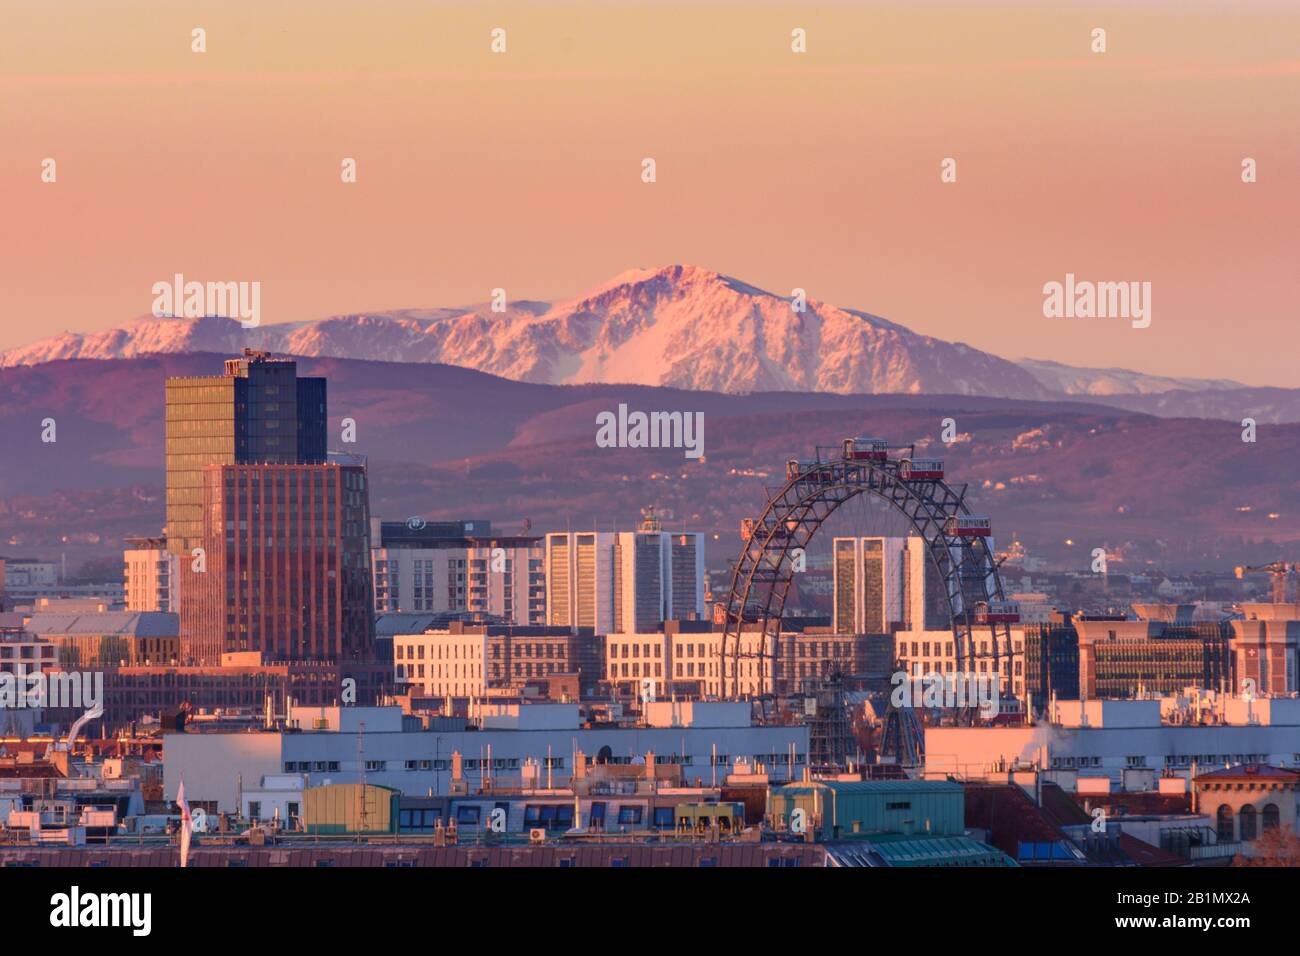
(185, 824)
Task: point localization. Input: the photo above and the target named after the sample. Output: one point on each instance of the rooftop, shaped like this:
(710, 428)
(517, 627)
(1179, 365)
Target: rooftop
(127, 623)
(1249, 771)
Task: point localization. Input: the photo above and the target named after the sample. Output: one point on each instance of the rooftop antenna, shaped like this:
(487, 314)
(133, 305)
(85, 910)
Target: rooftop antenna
(361, 775)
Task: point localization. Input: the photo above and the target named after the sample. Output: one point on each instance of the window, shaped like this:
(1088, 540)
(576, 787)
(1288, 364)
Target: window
(629, 815)
(467, 815)
(1249, 828)
(663, 818)
(418, 821)
(1223, 824)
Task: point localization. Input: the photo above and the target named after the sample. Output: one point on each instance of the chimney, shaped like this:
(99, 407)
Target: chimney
(458, 787)
(650, 765)
(579, 765)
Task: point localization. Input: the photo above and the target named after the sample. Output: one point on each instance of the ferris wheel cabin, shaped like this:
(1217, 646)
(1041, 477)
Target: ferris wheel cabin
(968, 526)
(808, 468)
(866, 449)
(921, 469)
(997, 612)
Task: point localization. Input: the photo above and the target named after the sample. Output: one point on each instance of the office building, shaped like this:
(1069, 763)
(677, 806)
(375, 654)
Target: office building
(259, 411)
(682, 659)
(1133, 744)
(391, 751)
(1264, 647)
(1051, 660)
(624, 582)
(287, 565)
(109, 638)
(869, 576)
(580, 580)
(451, 567)
(921, 653)
(1156, 655)
(151, 574)
(467, 661)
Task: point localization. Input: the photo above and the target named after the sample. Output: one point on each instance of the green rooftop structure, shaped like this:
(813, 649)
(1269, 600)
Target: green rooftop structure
(883, 823)
(843, 808)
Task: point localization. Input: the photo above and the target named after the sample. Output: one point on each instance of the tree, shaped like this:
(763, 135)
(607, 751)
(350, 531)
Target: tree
(1278, 846)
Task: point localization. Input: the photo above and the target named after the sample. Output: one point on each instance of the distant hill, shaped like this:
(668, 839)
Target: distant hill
(1069, 380)
(447, 442)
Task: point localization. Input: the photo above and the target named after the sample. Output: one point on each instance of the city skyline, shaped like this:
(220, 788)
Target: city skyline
(743, 434)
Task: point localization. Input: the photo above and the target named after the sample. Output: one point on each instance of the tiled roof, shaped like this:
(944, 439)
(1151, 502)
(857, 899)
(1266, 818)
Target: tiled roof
(1250, 771)
(1060, 808)
(1009, 815)
(1144, 854)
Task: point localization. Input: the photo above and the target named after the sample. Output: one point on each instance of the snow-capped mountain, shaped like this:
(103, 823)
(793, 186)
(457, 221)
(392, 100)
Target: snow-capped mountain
(1070, 380)
(679, 326)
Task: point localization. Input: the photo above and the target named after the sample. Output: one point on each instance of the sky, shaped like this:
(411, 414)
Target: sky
(522, 170)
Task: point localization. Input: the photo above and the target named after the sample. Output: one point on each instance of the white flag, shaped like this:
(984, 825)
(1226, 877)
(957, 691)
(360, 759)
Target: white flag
(186, 825)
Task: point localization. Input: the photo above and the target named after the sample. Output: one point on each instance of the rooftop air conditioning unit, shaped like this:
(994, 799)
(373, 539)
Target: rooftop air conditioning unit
(537, 835)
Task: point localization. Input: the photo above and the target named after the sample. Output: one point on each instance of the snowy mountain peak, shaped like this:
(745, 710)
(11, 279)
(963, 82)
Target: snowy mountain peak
(676, 325)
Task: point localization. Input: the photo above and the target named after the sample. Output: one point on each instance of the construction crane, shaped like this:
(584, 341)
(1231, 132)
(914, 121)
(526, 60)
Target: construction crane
(1281, 572)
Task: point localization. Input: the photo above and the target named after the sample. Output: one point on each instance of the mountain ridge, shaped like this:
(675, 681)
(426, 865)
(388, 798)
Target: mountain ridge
(678, 326)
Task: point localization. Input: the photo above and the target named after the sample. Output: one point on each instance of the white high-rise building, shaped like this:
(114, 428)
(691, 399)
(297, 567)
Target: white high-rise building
(869, 577)
(624, 582)
(580, 579)
(151, 575)
(499, 577)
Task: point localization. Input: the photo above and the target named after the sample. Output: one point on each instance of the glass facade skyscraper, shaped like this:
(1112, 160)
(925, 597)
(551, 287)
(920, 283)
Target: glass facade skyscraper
(258, 412)
(284, 527)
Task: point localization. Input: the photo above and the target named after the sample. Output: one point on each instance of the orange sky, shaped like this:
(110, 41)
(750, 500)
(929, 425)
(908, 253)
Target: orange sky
(522, 170)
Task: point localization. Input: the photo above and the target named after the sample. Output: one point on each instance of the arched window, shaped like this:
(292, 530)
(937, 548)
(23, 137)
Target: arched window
(1270, 816)
(1225, 829)
(1249, 823)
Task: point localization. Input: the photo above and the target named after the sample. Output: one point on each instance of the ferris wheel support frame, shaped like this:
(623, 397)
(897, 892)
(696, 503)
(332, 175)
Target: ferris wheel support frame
(764, 572)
